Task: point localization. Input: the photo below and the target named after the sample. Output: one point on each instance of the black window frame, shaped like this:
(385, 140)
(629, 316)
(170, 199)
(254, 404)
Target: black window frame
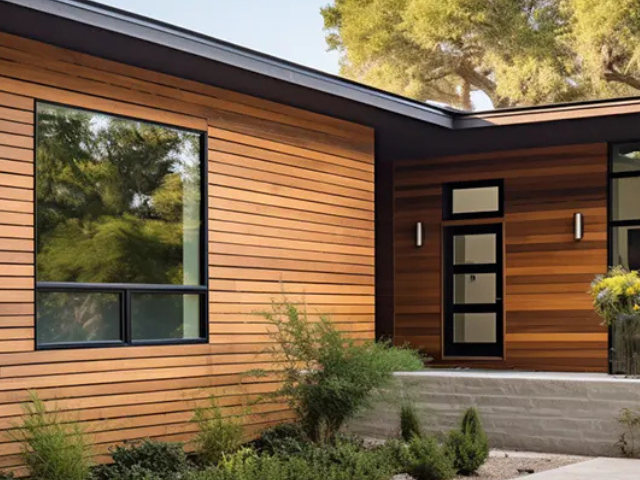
(447, 199)
(125, 290)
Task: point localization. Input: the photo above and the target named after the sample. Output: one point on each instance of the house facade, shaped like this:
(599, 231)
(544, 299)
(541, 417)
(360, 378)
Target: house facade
(158, 188)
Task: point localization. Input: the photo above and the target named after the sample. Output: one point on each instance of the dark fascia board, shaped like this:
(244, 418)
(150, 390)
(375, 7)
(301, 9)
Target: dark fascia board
(142, 28)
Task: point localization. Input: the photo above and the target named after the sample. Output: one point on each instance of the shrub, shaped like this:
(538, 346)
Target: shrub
(145, 460)
(326, 377)
(469, 446)
(52, 449)
(218, 435)
(628, 441)
(428, 460)
(409, 422)
(285, 439)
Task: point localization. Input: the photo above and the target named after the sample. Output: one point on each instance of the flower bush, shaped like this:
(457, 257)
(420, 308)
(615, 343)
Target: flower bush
(616, 298)
(616, 294)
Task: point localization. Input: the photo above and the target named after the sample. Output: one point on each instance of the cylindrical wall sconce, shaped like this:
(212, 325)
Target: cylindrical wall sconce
(578, 226)
(419, 234)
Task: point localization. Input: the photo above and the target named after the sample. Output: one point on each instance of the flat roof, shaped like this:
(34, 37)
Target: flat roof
(106, 18)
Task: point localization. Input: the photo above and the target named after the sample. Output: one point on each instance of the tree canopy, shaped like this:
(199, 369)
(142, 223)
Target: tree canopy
(518, 52)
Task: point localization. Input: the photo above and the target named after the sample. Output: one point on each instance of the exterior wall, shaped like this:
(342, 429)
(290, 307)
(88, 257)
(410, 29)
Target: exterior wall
(545, 412)
(549, 320)
(291, 207)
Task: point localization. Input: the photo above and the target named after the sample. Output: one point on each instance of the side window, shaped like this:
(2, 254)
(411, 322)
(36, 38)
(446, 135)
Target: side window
(120, 234)
(624, 212)
(473, 200)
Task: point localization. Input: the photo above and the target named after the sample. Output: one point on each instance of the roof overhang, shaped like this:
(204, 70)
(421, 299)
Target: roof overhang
(159, 33)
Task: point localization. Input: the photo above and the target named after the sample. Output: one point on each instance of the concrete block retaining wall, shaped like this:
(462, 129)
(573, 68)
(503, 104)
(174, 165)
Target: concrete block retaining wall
(545, 412)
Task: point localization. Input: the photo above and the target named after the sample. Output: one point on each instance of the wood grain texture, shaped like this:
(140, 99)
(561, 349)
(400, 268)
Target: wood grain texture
(549, 320)
(291, 209)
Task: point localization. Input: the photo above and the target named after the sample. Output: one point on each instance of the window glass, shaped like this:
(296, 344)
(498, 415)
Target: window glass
(475, 200)
(625, 199)
(165, 316)
(66, 317)
(474, 288)
(474, 328)
(474, 249)
(626, 157)
(118, 200)
(626, 247)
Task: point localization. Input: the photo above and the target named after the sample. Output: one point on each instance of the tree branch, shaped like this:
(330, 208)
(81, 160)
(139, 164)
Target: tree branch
(614, 76)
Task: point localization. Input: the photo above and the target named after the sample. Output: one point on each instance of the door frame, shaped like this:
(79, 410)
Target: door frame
(480, 351)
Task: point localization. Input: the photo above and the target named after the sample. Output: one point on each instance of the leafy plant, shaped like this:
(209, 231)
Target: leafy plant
(144, 460)
(326, 377)
(469, 446)
(285, 439)
(409, 422)
(630, 420)
(52, 448)
(428, 460)
(218, 435)
(7, 476)
(343, 461)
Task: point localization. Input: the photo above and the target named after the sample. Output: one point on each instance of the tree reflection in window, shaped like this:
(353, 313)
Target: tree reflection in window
(118, 202)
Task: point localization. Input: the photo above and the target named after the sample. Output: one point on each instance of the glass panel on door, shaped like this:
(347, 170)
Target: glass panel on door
(473, 291)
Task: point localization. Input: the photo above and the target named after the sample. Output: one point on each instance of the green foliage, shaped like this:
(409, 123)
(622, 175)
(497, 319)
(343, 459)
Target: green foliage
(629, 420)
(339, 462)
(518, 52)
(428, 460)
(53, 448)
(283, 439)
(7, 476)
(409, 422)
(145, 460)
(469, 446)
(218, 435)
(327, 378)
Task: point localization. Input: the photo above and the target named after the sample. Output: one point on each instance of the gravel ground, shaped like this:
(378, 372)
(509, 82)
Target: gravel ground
(508, 465)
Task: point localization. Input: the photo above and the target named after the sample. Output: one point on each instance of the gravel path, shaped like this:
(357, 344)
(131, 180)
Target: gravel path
(508, 465)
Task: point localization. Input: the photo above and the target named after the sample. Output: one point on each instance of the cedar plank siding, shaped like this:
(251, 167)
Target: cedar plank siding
(549, 319)
(291, 206)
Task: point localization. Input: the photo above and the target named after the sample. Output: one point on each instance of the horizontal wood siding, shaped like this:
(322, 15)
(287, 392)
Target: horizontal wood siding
(291, 209)
(550, 324)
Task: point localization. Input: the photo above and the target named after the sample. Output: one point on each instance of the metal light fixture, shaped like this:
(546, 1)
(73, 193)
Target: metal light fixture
(419, 234)
(578, 226)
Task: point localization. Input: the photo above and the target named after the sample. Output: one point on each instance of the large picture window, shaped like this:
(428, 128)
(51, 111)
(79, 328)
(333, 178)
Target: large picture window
(624, 211)
(120, 236)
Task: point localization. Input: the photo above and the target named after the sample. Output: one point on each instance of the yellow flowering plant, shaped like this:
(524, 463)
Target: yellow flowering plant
(616, 294)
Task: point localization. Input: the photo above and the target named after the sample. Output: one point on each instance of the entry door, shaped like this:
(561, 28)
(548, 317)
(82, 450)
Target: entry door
(473, 311)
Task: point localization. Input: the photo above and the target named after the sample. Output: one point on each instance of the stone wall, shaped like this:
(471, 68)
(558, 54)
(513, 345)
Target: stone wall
(545, 412)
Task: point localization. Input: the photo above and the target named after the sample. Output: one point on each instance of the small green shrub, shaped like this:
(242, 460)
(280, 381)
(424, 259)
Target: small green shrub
(469, 446)
(409, 423)
(52, 449)
(147, 459)
(327, 378)
(6, 476)
(285, 439)
(218, 435)
(628, 440)
(428, 460)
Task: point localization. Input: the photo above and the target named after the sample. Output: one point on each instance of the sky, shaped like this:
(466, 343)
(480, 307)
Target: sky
(288, 29)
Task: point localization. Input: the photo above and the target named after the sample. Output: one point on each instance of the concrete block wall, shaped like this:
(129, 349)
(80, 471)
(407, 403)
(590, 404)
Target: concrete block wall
(545, 412)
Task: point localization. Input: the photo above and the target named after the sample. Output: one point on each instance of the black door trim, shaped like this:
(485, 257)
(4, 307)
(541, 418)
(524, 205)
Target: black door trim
(452, 349)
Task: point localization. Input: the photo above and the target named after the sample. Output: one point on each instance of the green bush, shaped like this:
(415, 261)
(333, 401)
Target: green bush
(52, 449)
(6, 476)
(409, 423)
(218, 435)
(285, 439)
(338, 462)
(327, 377)
(469, 446)
(145, 460)
(428, 460)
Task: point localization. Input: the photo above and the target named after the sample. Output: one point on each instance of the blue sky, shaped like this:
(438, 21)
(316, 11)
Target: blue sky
(289, 29)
